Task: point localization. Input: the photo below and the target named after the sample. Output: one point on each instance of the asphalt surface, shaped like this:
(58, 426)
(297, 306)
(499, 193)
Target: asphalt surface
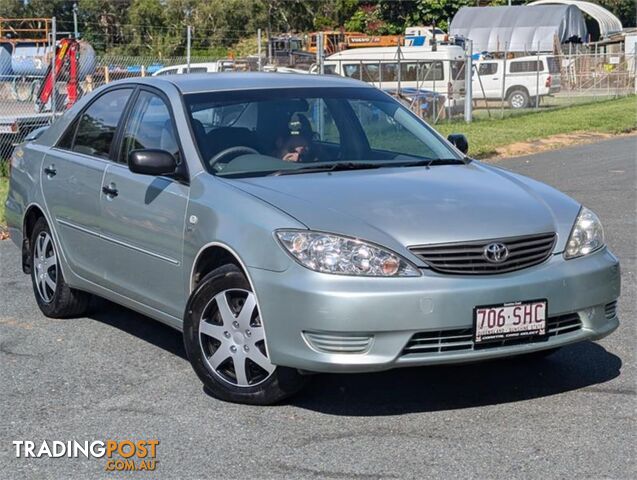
(117, 374)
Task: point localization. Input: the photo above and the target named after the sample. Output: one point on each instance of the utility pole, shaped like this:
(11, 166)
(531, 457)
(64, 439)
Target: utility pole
(76, 33)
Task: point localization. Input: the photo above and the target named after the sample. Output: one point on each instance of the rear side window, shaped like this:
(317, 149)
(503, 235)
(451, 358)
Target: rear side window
(422, 71)
(554, 64)
(329, 69)
(526, 66)
(149, 126)
(97, 125)
(170, 71)
(488, 69)
(196, 70)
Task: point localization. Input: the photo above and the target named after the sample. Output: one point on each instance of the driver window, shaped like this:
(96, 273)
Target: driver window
(149, 127)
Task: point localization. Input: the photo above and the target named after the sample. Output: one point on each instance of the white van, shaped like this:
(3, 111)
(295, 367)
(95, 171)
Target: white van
(526, 78)
(208, 67)
(441, 71)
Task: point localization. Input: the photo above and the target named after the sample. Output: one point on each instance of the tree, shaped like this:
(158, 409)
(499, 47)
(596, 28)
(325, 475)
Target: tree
(623, 9)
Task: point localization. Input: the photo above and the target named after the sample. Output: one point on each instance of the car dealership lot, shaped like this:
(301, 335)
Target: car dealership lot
(119, 375)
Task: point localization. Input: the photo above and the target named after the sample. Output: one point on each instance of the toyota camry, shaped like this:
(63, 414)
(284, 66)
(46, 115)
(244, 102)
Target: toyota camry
(292, 224)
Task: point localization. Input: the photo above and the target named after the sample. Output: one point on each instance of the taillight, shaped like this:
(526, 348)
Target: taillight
(548, 81)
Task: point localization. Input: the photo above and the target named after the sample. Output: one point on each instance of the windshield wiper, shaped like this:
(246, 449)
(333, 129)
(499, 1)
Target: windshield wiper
(333, 167)
(437, 161)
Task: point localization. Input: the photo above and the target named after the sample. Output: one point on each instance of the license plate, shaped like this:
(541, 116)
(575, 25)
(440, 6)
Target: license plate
(509, 321)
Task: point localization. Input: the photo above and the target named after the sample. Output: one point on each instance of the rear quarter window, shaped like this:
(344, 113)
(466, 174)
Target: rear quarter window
(526, 66)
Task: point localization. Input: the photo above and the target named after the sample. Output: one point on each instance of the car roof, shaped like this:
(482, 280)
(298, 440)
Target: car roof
(210, 82)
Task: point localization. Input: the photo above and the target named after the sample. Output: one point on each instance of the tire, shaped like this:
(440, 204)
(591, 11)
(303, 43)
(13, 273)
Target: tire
(219, 334)
(53, 295)
(518, 98)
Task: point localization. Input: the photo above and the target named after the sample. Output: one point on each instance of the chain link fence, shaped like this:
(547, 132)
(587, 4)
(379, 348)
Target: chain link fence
(433, 85)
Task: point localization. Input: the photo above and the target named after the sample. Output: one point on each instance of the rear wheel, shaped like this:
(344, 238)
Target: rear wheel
(55, 298)
(518, 98)
(225, 341)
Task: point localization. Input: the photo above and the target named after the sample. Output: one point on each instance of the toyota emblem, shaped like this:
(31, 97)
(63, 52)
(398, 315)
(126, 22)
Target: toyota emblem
(496, 252)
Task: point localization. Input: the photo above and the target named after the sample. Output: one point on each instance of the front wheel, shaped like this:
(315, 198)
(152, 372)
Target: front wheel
(225, 342)
(55, 298)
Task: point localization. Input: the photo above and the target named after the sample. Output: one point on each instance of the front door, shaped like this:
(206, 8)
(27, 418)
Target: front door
(72, 179)
(488, 82)
(143, 217)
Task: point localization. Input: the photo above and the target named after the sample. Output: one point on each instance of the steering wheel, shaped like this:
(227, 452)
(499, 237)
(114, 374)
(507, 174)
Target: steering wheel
(229, 154)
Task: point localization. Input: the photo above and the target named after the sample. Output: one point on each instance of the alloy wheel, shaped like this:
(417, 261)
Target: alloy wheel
(46, 266)
(232, 339)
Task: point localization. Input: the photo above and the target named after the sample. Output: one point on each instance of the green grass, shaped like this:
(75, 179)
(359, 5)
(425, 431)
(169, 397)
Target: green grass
(485, 135)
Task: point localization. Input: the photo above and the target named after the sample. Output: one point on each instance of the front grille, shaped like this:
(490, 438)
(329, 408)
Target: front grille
(467, 258)
(441, 341)
(610, 310)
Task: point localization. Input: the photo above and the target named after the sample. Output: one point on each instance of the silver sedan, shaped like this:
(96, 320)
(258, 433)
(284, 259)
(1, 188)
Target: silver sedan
(291, 224)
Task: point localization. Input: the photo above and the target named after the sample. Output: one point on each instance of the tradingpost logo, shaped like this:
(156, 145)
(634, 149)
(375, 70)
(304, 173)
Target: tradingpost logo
(124, 455)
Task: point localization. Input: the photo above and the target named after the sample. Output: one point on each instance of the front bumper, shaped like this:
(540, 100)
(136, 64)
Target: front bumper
(315, 321)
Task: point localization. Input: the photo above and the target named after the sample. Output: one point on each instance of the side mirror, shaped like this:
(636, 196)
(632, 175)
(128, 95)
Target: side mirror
(152, 162)
(459, 141)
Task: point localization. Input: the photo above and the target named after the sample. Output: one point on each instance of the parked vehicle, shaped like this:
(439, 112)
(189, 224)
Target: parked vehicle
(207, 67)
(440, 71)
(526, 78)
(291, 223)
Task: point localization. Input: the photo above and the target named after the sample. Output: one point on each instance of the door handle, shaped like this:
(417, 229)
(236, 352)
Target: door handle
(110, 191)
(50, 171)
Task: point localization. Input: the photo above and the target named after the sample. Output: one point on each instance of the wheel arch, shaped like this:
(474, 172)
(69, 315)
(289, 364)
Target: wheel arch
(33, 213)
(514, 88)
(214, 255)
(211, 256)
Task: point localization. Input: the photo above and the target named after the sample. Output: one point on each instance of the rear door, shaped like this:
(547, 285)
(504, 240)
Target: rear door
(143, 218)
(72, 179)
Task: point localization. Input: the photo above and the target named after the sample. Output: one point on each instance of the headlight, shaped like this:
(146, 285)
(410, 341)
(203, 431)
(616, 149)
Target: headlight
(587, 235)
(327, 253)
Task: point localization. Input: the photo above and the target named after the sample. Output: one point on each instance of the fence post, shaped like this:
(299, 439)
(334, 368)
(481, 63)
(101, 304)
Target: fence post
(537, 77)
(319, 53)
(504, 80)
(468, 74)
(635, 66)
(188, 40)
(259, 59)
(53, 72)
(399, 55)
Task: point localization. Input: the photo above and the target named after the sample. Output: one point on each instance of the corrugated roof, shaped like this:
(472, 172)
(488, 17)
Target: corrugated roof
(518, 28)
(608, 23)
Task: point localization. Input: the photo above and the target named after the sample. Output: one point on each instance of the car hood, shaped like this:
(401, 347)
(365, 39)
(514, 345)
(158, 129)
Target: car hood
(400, 207)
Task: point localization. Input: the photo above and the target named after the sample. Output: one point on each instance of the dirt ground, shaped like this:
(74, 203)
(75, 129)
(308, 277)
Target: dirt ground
(553, 142)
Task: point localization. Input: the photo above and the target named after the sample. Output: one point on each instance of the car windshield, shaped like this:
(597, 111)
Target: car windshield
(306, 130)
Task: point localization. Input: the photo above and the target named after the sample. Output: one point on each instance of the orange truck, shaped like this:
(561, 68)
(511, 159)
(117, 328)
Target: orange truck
(336, 41)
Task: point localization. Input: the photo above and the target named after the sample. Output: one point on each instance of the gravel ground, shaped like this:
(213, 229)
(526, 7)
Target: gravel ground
(119, 375)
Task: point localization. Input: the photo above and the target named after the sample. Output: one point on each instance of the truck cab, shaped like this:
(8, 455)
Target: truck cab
(526, 78)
